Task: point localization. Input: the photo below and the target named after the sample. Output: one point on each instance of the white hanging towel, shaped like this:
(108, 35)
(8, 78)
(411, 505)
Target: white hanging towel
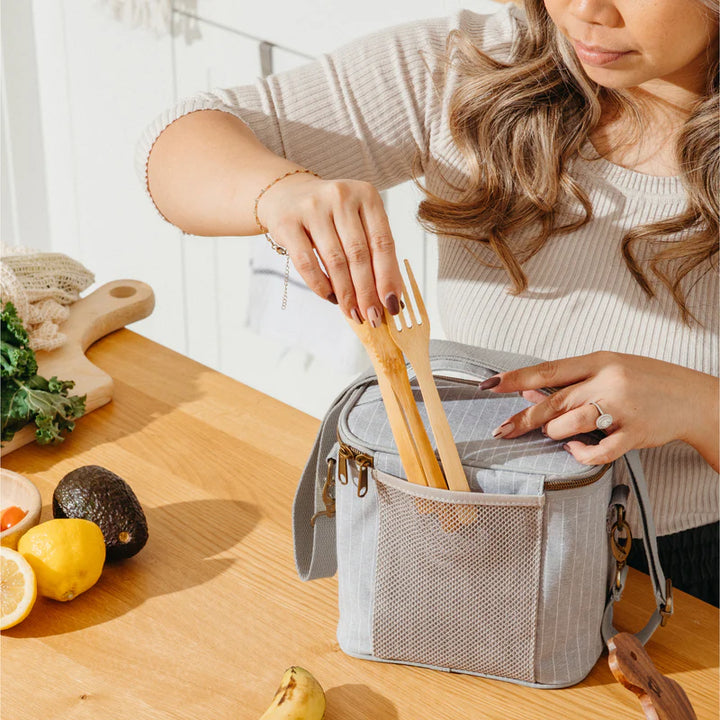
(308, 323)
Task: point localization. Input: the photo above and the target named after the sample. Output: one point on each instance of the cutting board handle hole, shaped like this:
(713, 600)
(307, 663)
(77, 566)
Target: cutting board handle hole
(123, 291)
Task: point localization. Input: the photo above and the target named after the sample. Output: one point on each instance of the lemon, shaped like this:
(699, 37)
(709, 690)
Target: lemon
(18, 586)
(67, 556)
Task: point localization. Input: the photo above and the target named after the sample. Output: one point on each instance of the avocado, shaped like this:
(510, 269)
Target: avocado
(95, 493)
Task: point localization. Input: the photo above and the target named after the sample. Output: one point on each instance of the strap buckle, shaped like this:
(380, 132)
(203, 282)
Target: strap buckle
(620, 543)
(667, 609)
(327, 495)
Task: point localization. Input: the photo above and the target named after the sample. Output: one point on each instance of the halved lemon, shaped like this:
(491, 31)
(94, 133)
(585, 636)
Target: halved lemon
(18, 588)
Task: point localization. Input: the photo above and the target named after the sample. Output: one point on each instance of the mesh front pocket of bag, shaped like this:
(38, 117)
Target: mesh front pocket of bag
(457, 580)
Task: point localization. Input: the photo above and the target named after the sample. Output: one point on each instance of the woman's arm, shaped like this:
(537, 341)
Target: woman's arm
(349, 118)
(652, 403)
(205, 170)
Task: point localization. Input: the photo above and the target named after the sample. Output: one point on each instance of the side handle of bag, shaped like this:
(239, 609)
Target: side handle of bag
(313, 522)
(662, 587)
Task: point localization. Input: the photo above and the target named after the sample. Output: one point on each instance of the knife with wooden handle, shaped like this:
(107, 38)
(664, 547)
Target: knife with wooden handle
(661, 697)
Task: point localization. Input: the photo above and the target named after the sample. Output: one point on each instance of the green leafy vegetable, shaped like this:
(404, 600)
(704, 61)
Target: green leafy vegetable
(26, 396)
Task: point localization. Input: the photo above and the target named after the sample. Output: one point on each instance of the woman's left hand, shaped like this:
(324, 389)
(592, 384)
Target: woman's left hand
(651, 403)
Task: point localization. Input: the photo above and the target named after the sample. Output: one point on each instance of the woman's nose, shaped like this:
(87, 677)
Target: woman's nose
(597, 12)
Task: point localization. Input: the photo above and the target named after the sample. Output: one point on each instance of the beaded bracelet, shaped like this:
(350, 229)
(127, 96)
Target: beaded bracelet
(279, 249)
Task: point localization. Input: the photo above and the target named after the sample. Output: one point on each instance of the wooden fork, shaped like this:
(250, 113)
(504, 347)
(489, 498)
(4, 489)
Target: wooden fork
(414, 447)
(414, 341)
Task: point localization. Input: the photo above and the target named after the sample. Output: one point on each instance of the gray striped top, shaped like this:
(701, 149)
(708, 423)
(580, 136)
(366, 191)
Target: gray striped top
(367, 110)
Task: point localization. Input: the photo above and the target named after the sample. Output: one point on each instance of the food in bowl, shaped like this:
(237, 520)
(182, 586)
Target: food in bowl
(19, 492)
(11, 516)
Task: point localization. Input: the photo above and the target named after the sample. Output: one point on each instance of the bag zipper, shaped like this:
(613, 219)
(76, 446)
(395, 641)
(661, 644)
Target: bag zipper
(362, 461)
(570, 484)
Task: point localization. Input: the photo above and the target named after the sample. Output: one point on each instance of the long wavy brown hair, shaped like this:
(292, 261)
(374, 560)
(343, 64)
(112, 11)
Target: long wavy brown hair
(518, 123)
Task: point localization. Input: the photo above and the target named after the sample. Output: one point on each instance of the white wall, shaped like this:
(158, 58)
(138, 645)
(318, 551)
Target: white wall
(23, 195)
(98, 82)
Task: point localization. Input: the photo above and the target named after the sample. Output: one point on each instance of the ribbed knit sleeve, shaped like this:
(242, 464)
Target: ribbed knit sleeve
(366, 111)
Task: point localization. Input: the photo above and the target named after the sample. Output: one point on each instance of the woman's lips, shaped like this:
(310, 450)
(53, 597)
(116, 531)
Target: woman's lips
(593, 55)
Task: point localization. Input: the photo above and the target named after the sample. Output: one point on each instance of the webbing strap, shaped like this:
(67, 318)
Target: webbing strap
(661, 590)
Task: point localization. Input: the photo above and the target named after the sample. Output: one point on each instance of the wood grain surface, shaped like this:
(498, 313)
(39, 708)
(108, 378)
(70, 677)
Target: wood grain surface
(203, 622)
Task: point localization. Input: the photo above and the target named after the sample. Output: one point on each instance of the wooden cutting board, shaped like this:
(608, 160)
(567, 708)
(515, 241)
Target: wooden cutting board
(109, 308)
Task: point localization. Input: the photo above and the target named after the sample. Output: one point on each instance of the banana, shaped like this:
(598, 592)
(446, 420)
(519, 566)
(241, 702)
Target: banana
(299, 697)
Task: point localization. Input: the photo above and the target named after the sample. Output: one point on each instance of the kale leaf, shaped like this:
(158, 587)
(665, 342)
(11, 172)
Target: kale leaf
(27, 397)
(16, 357)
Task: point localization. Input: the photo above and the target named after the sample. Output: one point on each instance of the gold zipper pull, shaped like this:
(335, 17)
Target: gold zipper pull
(344, 454)
(363, 462)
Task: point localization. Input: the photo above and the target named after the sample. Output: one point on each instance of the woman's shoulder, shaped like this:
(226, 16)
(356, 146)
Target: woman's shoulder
(492, 33)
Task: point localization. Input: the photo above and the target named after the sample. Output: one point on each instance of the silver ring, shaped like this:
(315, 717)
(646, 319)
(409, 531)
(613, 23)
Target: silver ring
(605, 420)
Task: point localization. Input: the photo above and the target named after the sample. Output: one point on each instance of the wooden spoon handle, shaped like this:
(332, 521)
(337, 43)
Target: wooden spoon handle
(661, 697)
(401, 433)
(403, 390)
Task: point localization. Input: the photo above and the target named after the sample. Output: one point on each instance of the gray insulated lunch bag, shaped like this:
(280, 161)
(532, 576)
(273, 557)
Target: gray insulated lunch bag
(514, 580)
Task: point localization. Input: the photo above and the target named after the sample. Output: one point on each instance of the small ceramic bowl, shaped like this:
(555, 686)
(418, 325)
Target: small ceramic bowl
(17, 490)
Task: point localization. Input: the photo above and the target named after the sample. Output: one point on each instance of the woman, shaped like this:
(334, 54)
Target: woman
(569, 159)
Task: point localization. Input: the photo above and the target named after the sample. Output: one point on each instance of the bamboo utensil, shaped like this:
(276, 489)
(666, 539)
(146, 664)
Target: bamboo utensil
(413, 339)
(414, 447)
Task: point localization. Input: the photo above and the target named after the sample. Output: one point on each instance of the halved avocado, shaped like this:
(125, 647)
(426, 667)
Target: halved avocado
(95, 493)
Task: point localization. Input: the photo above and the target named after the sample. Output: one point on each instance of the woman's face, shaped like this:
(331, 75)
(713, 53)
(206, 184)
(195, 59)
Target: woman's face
(632, 43)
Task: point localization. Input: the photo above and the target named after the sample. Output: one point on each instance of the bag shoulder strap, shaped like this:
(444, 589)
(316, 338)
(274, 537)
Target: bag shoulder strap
(313, 528)
(662, 588)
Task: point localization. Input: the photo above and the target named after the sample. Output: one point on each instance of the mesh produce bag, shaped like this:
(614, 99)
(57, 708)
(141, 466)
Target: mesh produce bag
(41, 286)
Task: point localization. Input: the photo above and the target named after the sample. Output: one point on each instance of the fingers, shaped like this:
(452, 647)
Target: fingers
(358, 252)
(609, 449)
(560, 407)
(574, 422)
(388, 280)
(554, 373)
(559, 421)
(333, 256)
(295, 240)
(345, 223)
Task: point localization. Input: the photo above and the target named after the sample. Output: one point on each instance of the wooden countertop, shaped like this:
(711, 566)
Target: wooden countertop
(203, 622)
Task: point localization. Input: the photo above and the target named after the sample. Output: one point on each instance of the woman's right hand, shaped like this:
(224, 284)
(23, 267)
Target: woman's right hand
(337, 235)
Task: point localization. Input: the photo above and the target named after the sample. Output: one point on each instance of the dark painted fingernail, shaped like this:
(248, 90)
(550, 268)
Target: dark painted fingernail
(356, 316)
(374, 317)
(490, 383)
(543, 430)
(332, 298)
(392, 303)
(566, 448)
(505, 429)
